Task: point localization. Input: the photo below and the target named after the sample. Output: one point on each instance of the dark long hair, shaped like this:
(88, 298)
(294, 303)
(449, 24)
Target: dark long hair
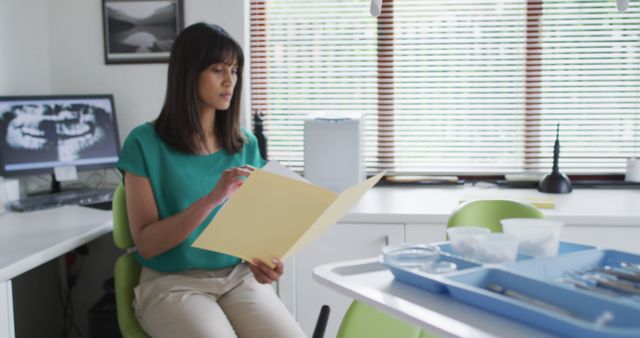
(196, 48)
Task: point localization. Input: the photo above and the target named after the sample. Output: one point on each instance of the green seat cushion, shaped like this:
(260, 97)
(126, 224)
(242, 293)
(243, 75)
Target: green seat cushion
(363, 321)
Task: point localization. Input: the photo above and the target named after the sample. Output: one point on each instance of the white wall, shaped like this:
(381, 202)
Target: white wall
(233, 16)
(24, 47)
(57, 47)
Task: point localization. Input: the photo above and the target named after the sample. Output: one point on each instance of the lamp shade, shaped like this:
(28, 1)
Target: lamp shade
(622, 5)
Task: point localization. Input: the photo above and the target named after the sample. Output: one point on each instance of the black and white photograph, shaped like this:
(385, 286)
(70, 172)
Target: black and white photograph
(139, 31)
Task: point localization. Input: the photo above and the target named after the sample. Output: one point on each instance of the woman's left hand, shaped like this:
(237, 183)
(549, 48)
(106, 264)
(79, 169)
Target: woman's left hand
(263, 273)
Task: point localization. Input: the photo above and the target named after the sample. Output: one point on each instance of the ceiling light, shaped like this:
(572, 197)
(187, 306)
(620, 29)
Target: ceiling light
(376, 7)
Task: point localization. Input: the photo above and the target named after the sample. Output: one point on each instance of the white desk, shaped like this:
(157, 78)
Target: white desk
(371, 282)
(30, 239)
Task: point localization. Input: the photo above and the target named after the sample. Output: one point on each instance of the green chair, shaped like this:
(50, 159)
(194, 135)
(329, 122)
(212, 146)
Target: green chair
(127, 270)
(363, 321)
(424, 334)
(489, 213)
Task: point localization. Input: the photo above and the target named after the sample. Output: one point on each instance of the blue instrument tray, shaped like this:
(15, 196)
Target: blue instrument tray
(430, 281)
(583, 313)
(584, 309)
(569, 247)
(553, 269)
(435, 283)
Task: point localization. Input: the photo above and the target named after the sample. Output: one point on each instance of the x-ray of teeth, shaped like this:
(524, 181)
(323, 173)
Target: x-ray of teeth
(55, 130)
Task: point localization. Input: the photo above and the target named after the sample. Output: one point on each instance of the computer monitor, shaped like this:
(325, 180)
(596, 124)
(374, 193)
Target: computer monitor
(40, 133)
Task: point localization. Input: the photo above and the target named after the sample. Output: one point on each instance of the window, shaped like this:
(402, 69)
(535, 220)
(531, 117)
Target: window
(458, 87)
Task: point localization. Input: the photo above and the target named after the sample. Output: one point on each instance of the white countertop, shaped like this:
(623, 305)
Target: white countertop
(29, 239)
(419, 204)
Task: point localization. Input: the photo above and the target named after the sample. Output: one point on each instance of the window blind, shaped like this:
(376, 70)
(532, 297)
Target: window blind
(587, 78)
(455, 87)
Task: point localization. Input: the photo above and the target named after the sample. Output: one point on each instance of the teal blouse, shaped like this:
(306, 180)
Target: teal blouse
(178, 179)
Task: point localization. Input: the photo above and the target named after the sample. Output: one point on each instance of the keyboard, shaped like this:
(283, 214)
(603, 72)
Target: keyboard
(85, 197)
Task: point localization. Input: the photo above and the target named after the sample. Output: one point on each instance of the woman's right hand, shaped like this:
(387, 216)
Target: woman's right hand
(229, 182)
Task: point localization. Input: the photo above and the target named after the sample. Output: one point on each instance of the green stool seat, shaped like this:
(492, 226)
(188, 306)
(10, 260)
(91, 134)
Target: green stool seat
(489, 213)
(363, 321)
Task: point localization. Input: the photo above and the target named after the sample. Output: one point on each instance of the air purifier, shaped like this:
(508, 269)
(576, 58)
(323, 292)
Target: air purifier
(333, 150)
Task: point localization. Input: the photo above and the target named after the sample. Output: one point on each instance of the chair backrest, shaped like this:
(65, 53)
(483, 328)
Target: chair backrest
(121, 234)
(363, 321)
(489, 213)
(126, 271)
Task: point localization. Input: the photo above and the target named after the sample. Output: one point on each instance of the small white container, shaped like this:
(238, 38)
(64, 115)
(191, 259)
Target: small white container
(496, 248)
(538, 237)
(465, 239)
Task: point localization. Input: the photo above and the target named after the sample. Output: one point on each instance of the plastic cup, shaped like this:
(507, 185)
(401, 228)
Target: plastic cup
(496, 248)
(538, 237)
(464, 240)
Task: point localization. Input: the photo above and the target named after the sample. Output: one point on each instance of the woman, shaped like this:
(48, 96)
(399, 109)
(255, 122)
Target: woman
(178, 171)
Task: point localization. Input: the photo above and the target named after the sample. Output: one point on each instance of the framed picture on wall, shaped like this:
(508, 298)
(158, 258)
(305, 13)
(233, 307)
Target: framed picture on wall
(140, 31)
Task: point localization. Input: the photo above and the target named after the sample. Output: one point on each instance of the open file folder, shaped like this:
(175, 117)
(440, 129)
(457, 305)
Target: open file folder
(272, 215)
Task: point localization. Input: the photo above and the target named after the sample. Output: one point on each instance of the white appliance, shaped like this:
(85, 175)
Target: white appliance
(333, 150)
(9, 191)
(633, 170)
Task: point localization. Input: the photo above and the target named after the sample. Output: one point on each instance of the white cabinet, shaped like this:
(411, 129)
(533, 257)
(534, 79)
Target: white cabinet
(425, 233)
(344, 241)
(6, 310)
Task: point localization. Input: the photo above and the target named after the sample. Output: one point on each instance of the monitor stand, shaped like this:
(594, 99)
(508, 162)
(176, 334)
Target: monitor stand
(55, 184)
(56, 187)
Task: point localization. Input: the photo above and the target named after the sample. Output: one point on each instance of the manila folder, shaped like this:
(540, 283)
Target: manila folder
(272, 216)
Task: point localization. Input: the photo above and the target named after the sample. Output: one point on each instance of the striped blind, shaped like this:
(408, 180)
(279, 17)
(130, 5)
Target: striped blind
(455, 87)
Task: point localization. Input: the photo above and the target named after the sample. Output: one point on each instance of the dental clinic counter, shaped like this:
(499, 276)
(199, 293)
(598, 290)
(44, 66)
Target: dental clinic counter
(416, 204)
(589, 215)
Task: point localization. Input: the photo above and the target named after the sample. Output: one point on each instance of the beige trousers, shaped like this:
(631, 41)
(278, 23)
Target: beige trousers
(225, 303)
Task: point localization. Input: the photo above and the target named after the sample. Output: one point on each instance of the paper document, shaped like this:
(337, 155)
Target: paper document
(273, 215)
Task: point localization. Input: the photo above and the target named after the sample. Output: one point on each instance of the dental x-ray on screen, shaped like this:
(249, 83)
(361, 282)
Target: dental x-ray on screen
(38, 134)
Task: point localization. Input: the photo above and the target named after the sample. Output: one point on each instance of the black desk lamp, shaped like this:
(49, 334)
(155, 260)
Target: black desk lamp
(555, 182)
(258, 131)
